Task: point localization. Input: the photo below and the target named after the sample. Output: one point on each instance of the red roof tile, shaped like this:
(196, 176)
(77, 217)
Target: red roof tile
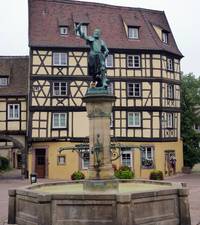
(16, 68)
(45, 14)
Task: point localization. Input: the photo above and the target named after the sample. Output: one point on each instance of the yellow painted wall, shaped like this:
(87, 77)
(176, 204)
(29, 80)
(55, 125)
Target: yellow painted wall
(13, 125)
(56, 171)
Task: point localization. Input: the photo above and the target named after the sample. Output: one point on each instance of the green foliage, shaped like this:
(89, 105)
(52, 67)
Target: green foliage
(124, 172)
(156, 175)
(190, 100)
(4, 163)
(78, 175)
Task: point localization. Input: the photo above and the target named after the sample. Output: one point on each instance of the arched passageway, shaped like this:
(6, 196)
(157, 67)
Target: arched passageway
(15, 151)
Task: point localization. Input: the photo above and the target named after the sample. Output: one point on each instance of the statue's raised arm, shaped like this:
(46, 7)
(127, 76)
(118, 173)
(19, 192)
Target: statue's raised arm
(82, 34)
(97, 56)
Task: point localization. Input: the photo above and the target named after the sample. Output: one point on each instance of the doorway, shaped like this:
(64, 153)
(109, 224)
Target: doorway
(40, 162)
(170, 162)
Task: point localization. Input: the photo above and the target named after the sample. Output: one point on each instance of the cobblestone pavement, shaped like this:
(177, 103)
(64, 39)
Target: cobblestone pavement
(192, 180)
(4, 186)
(193, 183)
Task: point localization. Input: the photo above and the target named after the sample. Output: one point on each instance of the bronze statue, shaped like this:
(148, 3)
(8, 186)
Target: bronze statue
(97, 56)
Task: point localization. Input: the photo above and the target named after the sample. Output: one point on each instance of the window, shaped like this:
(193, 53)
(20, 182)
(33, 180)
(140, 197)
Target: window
(83, 29)
(59, 120)
(111, 88)
(169, 120)
(165, 37)
(147, 157)
(126, 158)
(111, 120)
(63, 30)
(85, 159)
(134, 90)
(109, 61)
(133, 32)
(59, 88)
(133, 61)
(59, 59)
(197, 127)
(134, 119)
(170, 91)
(170, 64)
(13, 111)
(4, 81)
(61, 160)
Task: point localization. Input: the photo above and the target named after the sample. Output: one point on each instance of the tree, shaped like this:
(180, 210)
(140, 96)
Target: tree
(190, 101)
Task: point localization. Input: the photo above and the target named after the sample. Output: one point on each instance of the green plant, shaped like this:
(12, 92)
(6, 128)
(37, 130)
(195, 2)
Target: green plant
(156, 175)
(124, 172)
(190, 98)
(78, 175)
(4, 163)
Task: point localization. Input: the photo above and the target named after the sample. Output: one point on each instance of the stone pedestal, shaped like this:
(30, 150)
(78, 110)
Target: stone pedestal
(99, 108)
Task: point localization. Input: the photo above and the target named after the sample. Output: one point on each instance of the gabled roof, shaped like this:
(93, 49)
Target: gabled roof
(45, 17)
(16, 68)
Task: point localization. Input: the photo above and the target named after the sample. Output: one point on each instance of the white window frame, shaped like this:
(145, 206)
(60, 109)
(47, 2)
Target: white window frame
(84, 29)
(83, 161)
(13, 111)
(111, 120)
(111, 88)
(152, 152)
(134, 116)
(134, 91)
(133, 58)
(133, 33)
(131, 158)
(59, 162)
(59, 55)
(64, 30)
(170, 91)
(4, 81)
(146, 155)
(170, 64)
(165, 37)
(59, 123)
(109, 61)
(60, 89)
(169, 120)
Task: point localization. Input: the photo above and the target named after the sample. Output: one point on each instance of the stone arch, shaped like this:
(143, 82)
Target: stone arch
(20, 146)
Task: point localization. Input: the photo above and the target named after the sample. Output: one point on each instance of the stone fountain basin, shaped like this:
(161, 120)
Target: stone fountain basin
(66, 203)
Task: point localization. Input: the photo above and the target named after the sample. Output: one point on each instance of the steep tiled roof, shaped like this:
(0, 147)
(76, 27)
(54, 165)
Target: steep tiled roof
(16, 68)
(45, 17)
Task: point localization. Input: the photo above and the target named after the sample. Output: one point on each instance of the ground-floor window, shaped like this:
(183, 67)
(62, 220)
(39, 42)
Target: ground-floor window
(147, 157)
(126, 158)
(85, 160)
(61, 160)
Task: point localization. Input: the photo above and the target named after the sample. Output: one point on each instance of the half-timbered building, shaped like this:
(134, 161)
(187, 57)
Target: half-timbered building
(144, 69)
(14, 109)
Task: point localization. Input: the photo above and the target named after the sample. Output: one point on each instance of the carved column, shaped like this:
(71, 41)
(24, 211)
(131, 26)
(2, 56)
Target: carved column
(99, 108)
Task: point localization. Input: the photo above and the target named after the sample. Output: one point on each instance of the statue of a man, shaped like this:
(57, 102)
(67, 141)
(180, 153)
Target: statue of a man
(97, 56)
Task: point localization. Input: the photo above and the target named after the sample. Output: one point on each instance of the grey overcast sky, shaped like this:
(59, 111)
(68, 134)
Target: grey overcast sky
(183, 16)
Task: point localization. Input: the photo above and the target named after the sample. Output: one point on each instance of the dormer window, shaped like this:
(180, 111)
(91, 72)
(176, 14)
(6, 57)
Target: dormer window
(4, 81)
(83, 29)
(133, 32)
(63, 30)
(165, 37)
